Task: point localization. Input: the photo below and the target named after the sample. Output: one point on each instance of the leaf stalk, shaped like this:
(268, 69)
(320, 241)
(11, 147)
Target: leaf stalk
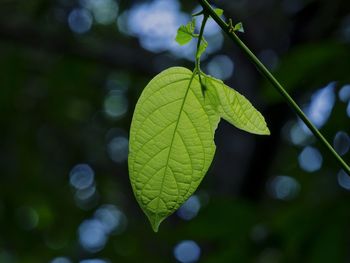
(200, 39)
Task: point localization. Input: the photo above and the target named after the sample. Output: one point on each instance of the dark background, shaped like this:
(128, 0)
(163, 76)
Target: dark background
(70, 75)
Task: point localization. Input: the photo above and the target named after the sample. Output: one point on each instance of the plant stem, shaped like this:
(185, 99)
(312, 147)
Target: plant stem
(200, 39)
(198, 58)
(264, 71)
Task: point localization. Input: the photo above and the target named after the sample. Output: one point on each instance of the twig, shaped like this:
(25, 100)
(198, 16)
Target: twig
(227, 28)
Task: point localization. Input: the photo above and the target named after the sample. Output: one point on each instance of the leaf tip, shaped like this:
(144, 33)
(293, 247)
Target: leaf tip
(266, 131)
(155, 222)
(154, 218)
(262, 131)
(155, 227)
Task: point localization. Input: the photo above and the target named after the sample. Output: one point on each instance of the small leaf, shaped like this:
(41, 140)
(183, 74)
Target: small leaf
(239, 27)
(183, 36)
(171, 142)
(218, 11)
(185, 33)
(234, 107)
(202, 47)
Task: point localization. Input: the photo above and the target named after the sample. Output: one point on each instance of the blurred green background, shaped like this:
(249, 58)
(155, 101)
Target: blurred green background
(70, 75)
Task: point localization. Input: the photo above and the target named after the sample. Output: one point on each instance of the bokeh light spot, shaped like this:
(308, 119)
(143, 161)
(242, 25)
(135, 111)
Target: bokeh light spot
(297, 135)
(344, 180)
(341, 142)
(344, 93)
(310, 159)
(86, 199)
(221, 67)
(187, 251)
(81, 176)
(118, 149)
(80, 20)
(321, 106)
(118, 82)
(284, 187)
(86, 193)
(92, 235)
(215, 43)
(113, 219)
(156, 23)
(115, 105)
(105, 11)
(348, 109)
(190, 208)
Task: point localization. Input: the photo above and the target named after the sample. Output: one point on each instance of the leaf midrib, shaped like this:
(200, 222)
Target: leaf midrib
(172, 140)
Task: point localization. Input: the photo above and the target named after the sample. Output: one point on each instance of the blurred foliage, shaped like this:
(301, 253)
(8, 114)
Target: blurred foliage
(53, 87)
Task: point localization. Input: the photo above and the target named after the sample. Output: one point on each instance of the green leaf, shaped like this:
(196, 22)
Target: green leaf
(234, 108)
(202, 47)
(172, 137)
(218, 11)
(171, 142)
(185, 33)
(239, 27)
